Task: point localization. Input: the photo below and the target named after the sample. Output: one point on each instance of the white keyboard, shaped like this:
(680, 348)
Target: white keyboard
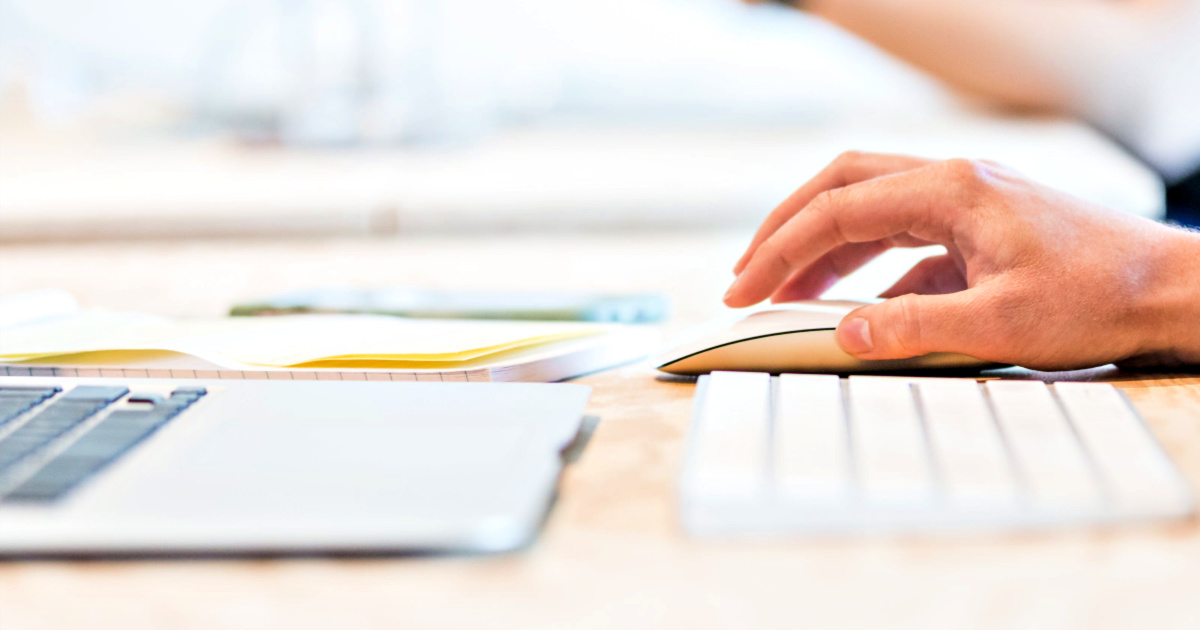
(815, 453)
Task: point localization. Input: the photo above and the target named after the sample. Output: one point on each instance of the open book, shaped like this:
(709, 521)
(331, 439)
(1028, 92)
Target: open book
(65, 341)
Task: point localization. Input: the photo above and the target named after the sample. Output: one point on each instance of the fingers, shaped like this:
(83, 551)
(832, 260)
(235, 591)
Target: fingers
(811, 282)
(932, 276)
(912, 325)
(920, 203)
(814, 280)
(848, 168)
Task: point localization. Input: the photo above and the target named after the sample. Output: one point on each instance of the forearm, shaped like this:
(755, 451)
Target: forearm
(1028, 53)
(1171, 308)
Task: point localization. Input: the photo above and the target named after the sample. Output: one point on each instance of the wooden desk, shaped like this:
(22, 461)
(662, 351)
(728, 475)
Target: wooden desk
(611, 554)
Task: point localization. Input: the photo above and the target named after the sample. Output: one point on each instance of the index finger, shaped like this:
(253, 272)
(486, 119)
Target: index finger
(913, 202)
(848, 168)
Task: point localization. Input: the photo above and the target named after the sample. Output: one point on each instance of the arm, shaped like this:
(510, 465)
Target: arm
(1126, 66)
(1029, 53)
(1031, 276)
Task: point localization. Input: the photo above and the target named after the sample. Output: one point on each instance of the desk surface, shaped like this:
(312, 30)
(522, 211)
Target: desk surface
(611, 554)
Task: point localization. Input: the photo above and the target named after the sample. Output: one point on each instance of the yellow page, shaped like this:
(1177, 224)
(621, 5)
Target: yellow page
(99, 331)
(291, 341)
(297, 341)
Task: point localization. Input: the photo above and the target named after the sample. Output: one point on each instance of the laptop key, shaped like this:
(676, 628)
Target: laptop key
(46, 425)
(104, 393)
(15, 401)
(125, 421)
(65, 411)
(12, 408)
(93, 451)
(115, 434)
(36, 491)
(39, 392)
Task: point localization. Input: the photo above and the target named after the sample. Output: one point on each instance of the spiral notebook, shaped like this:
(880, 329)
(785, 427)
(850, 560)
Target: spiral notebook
(57, 339)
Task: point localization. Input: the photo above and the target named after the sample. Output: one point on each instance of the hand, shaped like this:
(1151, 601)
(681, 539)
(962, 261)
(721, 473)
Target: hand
(1031, 276)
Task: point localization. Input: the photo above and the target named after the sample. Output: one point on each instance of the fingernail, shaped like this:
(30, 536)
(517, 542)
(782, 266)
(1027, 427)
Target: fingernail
(855, 336)
(732, 288)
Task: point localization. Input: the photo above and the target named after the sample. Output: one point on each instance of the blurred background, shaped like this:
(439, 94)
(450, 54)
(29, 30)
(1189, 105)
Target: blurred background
(436, 72)
(137, 118)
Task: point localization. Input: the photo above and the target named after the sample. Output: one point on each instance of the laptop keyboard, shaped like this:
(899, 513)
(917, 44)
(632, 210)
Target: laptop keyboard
(51, 440)
(815, 453)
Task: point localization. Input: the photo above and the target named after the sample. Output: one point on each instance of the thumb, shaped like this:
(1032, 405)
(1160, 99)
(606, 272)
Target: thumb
(912, 325)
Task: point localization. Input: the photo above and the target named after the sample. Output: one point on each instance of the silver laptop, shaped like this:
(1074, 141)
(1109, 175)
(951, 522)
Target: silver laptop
(140, 466)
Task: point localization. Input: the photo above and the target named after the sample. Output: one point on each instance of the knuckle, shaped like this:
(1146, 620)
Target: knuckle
(777, 253)
(846, 158)
(968, 179)
(823, 202)
(825, 205)
(845, 166)
(994, 166)
(963, 170)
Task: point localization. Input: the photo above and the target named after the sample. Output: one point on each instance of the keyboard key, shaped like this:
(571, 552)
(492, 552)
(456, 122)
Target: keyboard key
(888, 442)
(918, 454)
(130, 420)
(12, 408)
(731, 444)
(812, 448)
(65, 411)
(966, 444)
(108, 442)
(1131, 464)
(34, 490)
(99, 393)
(59, 417)
(188, 393)
(39, 392)
(15, 401)
(1049, 459)
(54, 479)
(96, 447)
(115, 434)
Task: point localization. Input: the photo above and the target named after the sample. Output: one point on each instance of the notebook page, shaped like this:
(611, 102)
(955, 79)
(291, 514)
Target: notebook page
(287, 341)
(301, 341)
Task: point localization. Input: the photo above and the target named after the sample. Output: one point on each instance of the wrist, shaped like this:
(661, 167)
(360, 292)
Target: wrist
(1170, 308)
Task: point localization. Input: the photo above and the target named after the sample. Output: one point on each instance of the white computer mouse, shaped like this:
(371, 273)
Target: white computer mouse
(794, 337)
